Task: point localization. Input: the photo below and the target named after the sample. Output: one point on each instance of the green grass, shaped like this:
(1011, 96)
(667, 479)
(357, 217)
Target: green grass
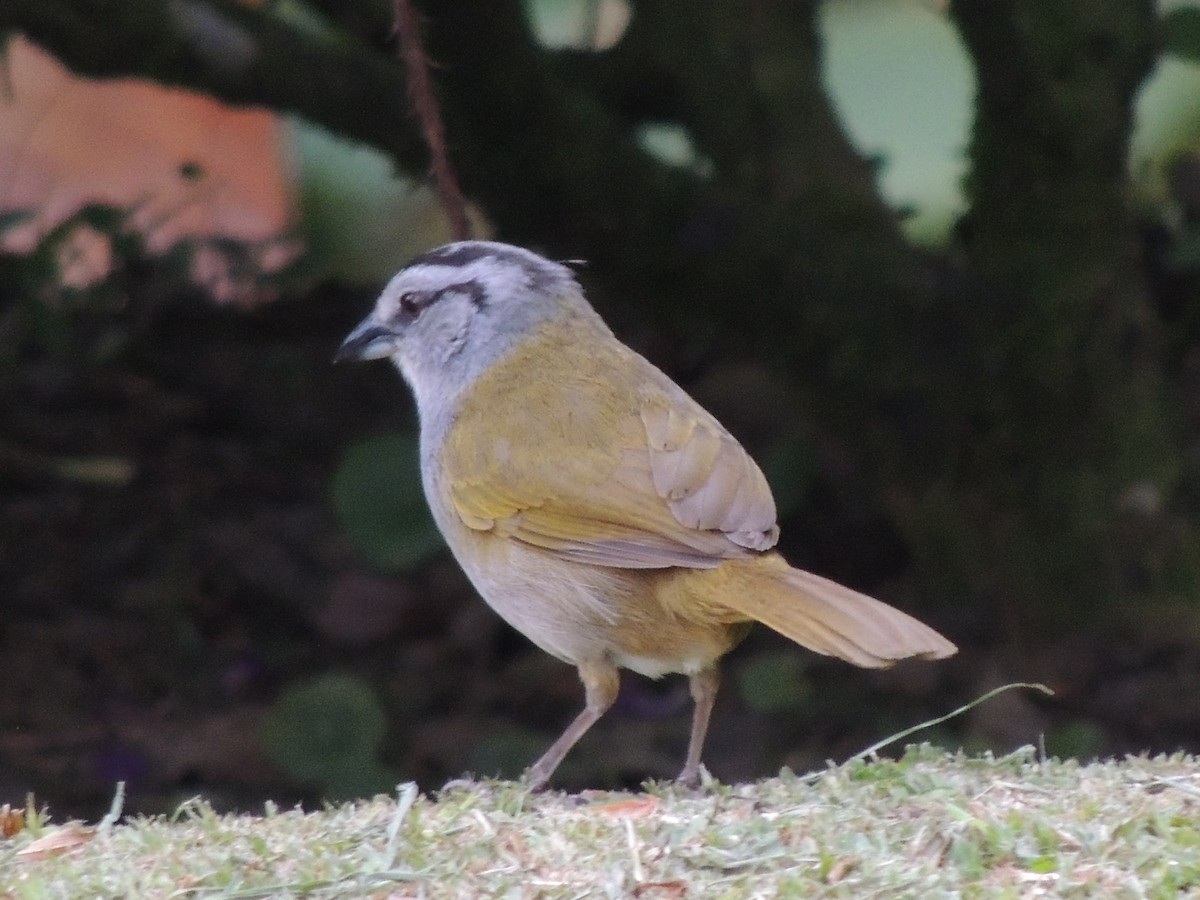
(928, 825)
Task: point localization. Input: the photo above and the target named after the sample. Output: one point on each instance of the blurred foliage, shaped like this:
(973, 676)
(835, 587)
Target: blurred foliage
(1181, 27)
(93, 284)
(329, 732)
(1075, 740)
(360, 222)
(378, 497)
(70, 292)
(774, 682)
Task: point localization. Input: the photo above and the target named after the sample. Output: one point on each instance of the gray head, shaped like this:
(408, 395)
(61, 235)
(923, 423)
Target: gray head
(453, 310)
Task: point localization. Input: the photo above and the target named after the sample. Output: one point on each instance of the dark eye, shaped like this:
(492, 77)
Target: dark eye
(411, 303)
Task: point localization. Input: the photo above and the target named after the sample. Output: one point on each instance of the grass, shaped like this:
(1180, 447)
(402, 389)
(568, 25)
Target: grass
(930, 824)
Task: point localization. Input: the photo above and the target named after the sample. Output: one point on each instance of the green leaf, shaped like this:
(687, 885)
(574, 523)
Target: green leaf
(328, 731)
(378, 497)
(1076, 740)
(774, 682)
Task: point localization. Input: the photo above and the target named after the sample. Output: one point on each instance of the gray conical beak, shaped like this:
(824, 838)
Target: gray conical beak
(369, 340)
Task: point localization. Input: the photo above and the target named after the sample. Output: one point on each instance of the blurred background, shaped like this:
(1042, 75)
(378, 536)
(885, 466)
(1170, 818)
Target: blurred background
(936, 265)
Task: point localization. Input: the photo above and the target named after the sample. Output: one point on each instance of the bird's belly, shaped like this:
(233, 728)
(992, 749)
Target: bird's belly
(577, 612)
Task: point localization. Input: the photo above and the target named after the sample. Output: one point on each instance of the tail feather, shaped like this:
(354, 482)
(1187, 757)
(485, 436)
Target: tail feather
(830, 618)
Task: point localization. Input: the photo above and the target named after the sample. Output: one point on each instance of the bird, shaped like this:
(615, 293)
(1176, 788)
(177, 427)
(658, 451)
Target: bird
(592, 503)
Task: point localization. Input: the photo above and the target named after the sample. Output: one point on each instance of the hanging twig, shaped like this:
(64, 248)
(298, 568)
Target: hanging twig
(420, 92)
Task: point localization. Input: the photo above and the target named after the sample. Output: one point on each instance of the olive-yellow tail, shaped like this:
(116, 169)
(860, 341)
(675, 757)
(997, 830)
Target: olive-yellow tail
(815, 612)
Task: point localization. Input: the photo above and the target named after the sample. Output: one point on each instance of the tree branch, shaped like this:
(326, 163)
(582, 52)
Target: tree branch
(420, 91)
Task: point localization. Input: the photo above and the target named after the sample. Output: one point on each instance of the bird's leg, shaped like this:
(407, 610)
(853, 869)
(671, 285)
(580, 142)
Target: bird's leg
(703, 686)
(601, 681)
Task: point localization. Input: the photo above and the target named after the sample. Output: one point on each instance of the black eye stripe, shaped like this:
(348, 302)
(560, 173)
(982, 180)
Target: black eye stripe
(472, 289)
(412, 303)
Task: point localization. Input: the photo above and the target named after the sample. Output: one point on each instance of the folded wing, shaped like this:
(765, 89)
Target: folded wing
(643, 480)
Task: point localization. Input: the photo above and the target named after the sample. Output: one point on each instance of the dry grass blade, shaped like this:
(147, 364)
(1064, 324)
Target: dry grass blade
(406, 797)
(114, 810)
(908, 732)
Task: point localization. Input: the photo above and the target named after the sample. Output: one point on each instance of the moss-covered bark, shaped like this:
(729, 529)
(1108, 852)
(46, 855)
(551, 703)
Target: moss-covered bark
(1067, 457)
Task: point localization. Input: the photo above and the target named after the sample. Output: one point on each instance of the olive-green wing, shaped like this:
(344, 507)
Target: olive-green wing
(642, 479)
